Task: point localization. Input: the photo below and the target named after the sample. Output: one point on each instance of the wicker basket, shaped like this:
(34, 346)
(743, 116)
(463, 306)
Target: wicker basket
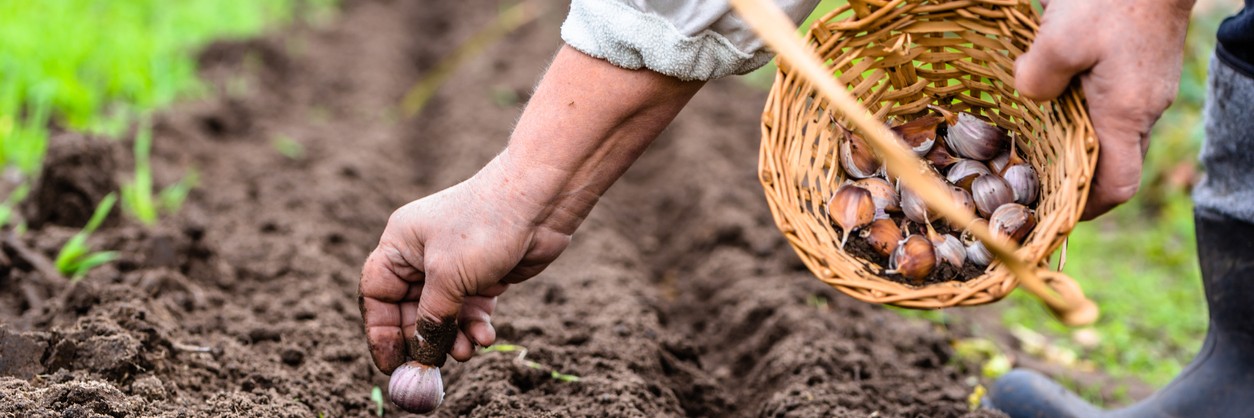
(896, 58)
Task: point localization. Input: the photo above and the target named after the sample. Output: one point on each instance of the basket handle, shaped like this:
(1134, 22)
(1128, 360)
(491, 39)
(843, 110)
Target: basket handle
(1064, 298)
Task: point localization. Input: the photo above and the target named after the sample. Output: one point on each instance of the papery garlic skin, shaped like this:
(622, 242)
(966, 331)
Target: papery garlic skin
(1024, 182)
(851, 208)
(990, 192)
(885, 196)
(857, 158)
(416, 387)
(974, 138)
(883, 235)
(1013, 221)
(914, 259)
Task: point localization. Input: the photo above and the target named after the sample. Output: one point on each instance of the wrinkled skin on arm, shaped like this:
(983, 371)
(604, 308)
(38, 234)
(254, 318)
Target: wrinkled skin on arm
(430, 287)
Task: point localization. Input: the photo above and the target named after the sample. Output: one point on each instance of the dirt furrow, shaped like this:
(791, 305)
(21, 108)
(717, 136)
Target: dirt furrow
(677, 297)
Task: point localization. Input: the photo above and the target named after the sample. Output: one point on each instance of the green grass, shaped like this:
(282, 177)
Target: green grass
(76, 258)
(138, 199)
(92, 65)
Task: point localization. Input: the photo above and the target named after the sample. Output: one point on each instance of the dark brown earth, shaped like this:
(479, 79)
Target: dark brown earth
(677, 298)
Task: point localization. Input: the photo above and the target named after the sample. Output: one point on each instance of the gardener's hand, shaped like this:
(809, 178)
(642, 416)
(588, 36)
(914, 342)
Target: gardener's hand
(1127, 54)
(443, 259)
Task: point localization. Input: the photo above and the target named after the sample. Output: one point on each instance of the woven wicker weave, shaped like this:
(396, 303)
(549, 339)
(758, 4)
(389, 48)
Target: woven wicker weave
(896, 58)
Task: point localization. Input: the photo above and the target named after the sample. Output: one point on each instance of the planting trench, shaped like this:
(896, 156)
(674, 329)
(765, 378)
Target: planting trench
(677, 297)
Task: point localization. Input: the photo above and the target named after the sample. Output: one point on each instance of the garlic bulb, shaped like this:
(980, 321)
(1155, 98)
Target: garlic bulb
(990, 192)
(972, 137)
(851, 208)
(1024, 182)
(1012, 220)
(919, 134)
(883, 194)
(914, 259)
(416, 387)
(856, 157)
(882, 235)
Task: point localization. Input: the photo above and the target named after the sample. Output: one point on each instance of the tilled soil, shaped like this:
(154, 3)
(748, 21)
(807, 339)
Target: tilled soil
(678, 296)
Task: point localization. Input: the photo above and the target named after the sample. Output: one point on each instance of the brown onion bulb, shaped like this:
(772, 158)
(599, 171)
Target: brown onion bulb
(416, 387)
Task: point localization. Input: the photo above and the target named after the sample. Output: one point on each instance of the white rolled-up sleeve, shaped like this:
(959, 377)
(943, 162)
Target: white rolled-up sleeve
(686, 39)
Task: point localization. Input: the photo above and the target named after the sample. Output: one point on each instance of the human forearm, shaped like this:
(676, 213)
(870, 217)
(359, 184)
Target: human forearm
(586, 123)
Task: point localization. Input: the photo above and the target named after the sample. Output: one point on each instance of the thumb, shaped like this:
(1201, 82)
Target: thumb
(436, 327)
(1059, 52)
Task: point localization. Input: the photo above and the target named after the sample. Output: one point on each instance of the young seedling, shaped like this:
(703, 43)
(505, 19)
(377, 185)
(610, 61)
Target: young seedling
(376, 395)
(522, 359)
(288, 147)
(6, 208)
(75, 258)
(137, 195)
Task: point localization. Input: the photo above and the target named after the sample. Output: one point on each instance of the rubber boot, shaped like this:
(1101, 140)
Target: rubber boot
(1220, 380)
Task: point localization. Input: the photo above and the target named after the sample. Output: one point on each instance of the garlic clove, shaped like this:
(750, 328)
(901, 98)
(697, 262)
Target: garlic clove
(851, 208)
(990, 192)
(914, 208)
(1024, 182)
(940, 156)
(919, 134)
(856, 157)
(882, 235)
(1013, 221)
(884, 194)
(914, 259)
(964, 200)
(998, 163)
(965, 168)
(972, 137)
(948, 248)
(416, 387)
(978, 254)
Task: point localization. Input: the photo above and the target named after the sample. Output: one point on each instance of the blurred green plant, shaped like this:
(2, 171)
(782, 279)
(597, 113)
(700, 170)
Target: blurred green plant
(76, 258)
(137, 194)
(93, 65)
(376, 395)
(289, 147)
